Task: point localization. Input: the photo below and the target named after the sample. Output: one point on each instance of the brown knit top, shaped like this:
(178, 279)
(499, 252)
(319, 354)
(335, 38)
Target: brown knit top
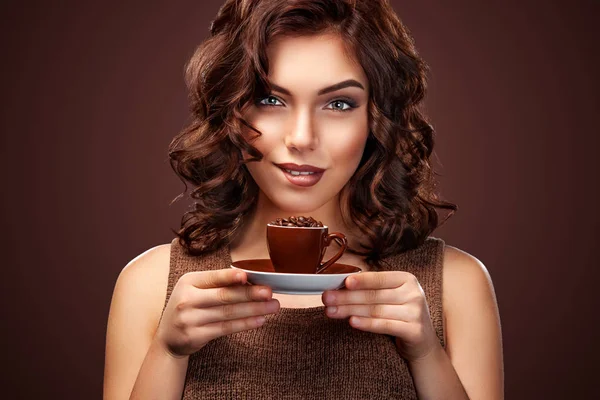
(300, 353)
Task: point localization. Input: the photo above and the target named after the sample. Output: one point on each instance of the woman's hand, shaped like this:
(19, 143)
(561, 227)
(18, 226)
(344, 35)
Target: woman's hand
(391, 303)
(205, 305)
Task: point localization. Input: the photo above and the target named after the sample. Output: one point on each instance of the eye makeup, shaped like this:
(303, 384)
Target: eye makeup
(351, 103)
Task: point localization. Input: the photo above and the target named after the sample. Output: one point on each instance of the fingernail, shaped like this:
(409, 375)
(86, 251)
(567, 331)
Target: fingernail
(329, 298)
(263, 292)
(331, 310)
(272, 306)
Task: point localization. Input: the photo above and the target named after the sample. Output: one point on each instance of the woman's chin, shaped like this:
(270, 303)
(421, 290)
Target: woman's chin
(297, 207)
(295, 203)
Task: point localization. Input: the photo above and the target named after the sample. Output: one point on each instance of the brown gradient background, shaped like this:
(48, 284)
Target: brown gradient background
(93, 92)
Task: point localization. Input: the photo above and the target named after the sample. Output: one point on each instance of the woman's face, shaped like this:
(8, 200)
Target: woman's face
(309, 120)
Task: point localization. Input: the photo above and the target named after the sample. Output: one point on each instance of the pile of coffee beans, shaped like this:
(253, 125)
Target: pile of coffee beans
(297, 221)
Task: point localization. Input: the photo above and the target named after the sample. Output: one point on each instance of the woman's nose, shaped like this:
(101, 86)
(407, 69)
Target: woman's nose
(301, 135)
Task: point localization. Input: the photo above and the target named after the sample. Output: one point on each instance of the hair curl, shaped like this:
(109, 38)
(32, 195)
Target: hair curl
(391, 197)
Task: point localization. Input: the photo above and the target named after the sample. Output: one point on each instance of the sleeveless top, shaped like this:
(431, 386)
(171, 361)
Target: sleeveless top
(300, 353)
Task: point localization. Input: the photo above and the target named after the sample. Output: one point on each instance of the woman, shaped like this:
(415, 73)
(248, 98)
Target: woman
(332, 88)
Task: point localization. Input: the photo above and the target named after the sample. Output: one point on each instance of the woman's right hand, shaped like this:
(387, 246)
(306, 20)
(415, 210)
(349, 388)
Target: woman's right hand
(205, 305)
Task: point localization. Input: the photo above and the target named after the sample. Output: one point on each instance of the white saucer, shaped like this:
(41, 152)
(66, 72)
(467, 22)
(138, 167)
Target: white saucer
(260, 272)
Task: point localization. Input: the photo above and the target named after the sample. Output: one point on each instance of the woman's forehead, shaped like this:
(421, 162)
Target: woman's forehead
(310, 63)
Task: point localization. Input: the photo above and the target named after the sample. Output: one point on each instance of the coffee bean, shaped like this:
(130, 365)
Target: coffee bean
(302, 222)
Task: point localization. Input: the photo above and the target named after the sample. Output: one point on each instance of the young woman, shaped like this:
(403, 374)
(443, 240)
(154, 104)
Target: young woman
(330, 88)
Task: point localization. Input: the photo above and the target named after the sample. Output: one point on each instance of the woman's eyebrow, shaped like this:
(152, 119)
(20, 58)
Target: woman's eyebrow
(328, 89)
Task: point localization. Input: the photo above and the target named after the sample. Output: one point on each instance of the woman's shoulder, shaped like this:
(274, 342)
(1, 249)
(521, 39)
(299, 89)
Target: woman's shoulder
(459, 265)
(467, 286)
(459, 270)
(143, 283)
(149, 267)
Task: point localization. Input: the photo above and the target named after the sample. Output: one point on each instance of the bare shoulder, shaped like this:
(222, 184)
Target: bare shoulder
(144, 282)
(464, 279)
(151, 261)
(460, 265)
(134, 314)
(472, 324)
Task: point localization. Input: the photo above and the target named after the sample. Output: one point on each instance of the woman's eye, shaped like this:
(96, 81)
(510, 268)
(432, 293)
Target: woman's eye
(338, 105)
(270, 101)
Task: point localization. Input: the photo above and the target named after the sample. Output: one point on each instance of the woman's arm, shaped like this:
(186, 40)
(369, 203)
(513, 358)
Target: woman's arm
(435, 378)
(132, 357)
(161, 376)
(473, 356)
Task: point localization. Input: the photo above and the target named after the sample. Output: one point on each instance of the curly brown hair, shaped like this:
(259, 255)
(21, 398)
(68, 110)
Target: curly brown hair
(390, 198)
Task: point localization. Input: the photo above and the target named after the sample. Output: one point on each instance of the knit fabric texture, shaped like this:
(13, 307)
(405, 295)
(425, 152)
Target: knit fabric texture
(300, 353)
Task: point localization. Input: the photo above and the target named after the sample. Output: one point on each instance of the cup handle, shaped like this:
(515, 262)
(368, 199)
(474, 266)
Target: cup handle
(344, 242)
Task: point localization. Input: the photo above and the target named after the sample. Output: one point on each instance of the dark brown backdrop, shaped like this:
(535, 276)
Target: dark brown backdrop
(93, 93)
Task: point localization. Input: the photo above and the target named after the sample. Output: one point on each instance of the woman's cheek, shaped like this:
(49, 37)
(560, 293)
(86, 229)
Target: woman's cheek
(271, 129)
(346, 143)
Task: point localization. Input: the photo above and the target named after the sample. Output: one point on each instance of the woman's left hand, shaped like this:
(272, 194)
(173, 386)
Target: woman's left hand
(387, 302)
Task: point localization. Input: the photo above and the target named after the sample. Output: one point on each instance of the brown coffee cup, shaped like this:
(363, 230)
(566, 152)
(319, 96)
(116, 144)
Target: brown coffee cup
(300, 250)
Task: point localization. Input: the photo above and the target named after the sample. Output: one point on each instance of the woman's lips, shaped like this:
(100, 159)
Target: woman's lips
(303, 179)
